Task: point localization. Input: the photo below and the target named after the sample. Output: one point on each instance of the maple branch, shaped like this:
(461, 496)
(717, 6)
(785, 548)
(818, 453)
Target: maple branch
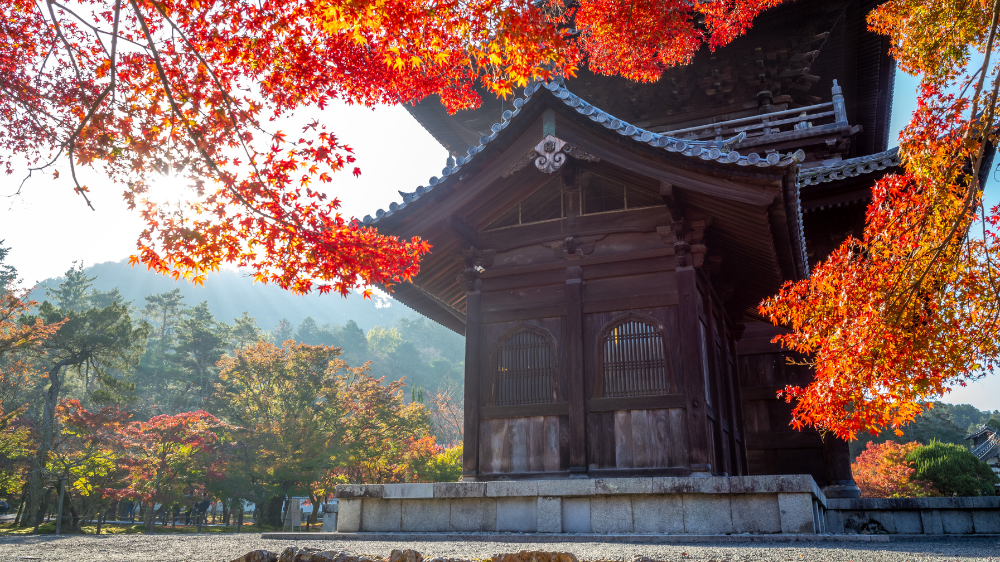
(225, 96)
(72, 170)
(69, 51)
(114, 48)
(96, 30)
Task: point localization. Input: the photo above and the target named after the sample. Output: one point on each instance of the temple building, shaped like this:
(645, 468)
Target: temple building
(603, 245)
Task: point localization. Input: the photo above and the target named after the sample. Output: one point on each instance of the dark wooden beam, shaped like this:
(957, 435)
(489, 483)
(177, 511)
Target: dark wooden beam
(468, 234)
(671, 199)
(523, 411)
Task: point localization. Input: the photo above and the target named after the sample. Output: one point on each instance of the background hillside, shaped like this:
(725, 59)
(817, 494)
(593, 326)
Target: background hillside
(230, 293)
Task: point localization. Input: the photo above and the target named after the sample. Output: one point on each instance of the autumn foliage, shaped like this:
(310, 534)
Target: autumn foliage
(895, 318)
(881, 471)
(142, 89)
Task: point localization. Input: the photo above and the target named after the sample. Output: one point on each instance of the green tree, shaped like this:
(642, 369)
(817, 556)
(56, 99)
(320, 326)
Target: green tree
(160, 372)
(201, 342)
(8, 273)
(953, 470)
(282, 332)
(432, 339)
(286, 403)
(103, 340)
(245, 331)
(73, 294)
(308, 332)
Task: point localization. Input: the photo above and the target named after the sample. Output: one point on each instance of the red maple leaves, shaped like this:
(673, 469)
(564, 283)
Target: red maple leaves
(147, 88)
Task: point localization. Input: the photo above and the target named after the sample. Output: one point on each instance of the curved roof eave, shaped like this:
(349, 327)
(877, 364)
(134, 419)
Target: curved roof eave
(702, 150)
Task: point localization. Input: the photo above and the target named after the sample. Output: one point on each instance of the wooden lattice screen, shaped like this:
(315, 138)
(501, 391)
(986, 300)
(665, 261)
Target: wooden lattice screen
(634, 361)
(524, 370)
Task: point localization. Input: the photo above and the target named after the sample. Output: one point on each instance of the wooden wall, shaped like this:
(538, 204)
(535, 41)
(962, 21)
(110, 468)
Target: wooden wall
(522, 445)
(617, 266)
(773, 446)
(626, 439)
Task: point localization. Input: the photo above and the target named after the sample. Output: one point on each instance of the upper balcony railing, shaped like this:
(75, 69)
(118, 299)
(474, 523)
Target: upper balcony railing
(775, 127)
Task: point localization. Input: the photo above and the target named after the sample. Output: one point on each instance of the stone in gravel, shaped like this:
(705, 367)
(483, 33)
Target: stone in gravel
(535, 556)
(306, 554)
(405, 556)
(258, 556)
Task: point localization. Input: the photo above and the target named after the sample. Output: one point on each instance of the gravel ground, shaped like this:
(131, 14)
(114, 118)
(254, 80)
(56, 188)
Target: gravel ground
(222, 548)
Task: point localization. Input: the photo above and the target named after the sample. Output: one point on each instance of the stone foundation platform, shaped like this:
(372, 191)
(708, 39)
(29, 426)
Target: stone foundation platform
(759, 505)
(914, 516)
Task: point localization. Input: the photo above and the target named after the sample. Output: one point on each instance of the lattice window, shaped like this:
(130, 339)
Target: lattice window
(634, 361)
(524, 369)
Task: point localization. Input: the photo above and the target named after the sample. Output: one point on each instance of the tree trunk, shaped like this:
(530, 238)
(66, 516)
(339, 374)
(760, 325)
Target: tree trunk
(75, 526)
(20, 507)
(36, 479)
(271, 513)
(314, 516)
(239, 516)
(150, 518)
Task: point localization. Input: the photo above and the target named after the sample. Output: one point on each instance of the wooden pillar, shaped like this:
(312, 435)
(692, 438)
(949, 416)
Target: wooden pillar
(689, 329)
(473, 375)
(839, 479)
(574, 371)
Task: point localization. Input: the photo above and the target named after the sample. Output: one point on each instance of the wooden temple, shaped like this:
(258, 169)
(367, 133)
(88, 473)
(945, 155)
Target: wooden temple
(603, 246)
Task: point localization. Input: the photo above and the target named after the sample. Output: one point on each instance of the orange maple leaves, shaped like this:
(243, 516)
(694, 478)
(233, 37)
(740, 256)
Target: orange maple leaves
(912, 308)
(641, 39)
(146, 88)
(881, 471)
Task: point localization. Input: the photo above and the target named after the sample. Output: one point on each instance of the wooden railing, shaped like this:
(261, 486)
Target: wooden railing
(771, 127)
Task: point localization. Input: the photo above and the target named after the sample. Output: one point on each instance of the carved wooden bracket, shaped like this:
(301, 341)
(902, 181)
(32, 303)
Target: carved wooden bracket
(476, 261)
(572, 248)
(686, 238)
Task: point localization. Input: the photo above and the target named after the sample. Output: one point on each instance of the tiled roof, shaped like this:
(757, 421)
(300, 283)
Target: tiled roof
(704, 150)
(849, 168)
(987, 449)
(982, 429)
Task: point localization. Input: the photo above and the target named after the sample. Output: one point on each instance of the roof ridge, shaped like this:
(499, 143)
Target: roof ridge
(718, 151)
(849, 168)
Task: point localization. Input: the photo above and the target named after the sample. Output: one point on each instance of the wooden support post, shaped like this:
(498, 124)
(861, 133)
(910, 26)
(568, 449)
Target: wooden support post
(574, 371)
(839, 479)
(689, 328)
(839, 107)
(476, 261)
(719, 405)
(473, 375)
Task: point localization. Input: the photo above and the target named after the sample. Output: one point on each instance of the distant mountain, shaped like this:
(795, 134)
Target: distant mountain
(229, 293)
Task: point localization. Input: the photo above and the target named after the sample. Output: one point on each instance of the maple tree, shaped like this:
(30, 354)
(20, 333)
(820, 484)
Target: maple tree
(284, 404)
(169, 455)
(140, 88)
(882, 471)
(87, 452)
(910, 309)
(304, 421)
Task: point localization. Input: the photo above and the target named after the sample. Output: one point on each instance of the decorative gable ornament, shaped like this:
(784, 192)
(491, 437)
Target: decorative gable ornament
(550, 157)
(551, 154)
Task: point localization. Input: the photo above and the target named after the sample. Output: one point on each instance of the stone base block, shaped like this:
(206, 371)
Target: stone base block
(608, 506)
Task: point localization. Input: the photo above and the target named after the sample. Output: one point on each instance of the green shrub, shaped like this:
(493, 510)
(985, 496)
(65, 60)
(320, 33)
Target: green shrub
(953, 470)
